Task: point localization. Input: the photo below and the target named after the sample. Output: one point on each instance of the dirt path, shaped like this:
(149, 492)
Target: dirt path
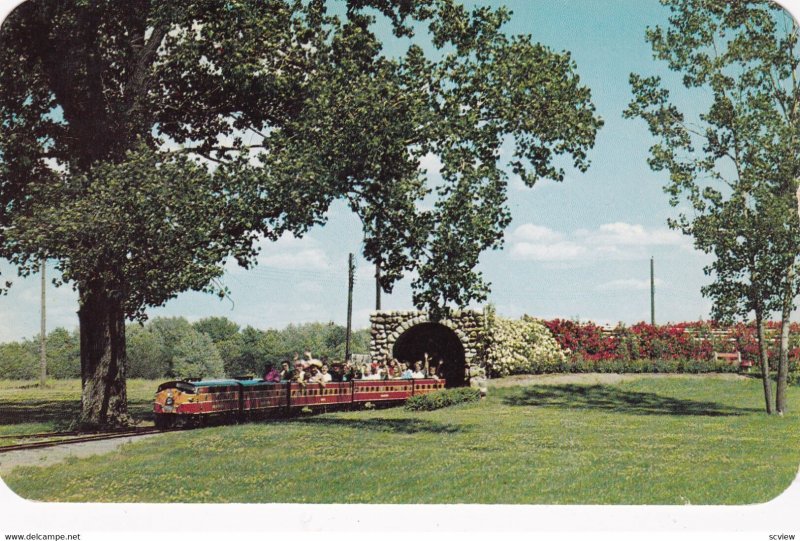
(594, 379)
(53, 455)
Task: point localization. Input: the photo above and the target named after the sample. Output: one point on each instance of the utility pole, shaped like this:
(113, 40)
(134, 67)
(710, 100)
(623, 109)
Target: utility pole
(43, 334)
(652, 294)
(351, 267)
(378, 285)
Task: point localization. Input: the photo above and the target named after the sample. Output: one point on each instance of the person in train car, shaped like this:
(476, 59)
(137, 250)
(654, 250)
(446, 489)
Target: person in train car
(271, 375)
(373, 373)
(286, 373)
(394, 369)
(383, 369)
(352, 372)
(314, 374)
(326, 375)
(440, 369)
(406, 371)
(299, 375)
(418, 372)
(337, 373)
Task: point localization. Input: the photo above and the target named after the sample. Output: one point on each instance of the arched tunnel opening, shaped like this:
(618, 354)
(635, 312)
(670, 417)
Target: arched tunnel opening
(440, 343)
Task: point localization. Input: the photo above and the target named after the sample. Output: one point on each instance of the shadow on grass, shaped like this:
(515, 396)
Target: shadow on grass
(398, 426)
(59, 412)
(603, 397)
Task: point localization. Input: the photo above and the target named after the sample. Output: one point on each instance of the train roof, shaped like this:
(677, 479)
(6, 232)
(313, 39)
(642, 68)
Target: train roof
(191, 386)
(228, 382)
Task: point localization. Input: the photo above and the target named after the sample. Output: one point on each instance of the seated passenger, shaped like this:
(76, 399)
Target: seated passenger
(374, 373)
(299, 375)
(418, 372)
(314, 375)
(286, 373)
(337, 373)
(326, 375)
(271, 375)
(386, 370)
(394, 369)
(406, 371)
(352, 372)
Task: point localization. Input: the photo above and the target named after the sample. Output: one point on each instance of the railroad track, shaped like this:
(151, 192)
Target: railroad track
(76, 439)
(38, 436)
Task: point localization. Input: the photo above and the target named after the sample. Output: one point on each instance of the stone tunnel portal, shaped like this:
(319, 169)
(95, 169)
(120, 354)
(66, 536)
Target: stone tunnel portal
(440, 343)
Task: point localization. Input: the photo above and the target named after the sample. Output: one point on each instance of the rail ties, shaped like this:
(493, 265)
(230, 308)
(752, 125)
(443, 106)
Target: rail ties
(77, 439)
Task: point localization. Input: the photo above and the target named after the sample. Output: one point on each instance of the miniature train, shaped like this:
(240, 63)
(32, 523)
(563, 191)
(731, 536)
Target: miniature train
(195, 403)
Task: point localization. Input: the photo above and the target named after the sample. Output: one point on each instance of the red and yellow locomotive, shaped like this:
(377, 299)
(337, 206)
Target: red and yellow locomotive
(193, 403)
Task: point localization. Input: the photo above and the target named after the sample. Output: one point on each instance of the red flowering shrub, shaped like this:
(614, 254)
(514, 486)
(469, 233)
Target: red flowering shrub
(689, 342)
(584, 339)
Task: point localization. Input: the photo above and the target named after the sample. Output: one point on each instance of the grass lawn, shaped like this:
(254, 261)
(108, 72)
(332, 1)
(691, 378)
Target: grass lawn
(650, 440)
(27, 409)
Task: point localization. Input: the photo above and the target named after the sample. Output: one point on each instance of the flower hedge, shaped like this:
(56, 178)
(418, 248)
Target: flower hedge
(530, 346)
(522, 346)
(689, 342)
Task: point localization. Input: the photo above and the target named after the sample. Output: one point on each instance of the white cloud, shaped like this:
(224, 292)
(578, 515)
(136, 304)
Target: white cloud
(290, 252)
(536, 233)
(628, 284)
(621, 233)
(618, 241)
(556, 251)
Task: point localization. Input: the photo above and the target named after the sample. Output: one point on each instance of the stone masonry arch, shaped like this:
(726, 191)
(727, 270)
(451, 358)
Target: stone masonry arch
(388, 326)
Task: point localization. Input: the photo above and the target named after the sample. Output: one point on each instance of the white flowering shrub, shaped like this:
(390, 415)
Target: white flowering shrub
(522, 346)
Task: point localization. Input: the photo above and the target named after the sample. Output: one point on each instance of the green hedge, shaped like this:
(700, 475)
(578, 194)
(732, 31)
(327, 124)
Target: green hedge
(443, 398)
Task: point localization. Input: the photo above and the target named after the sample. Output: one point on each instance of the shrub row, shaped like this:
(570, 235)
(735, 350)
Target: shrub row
(443, 398)
(690, 340)
(530, 346)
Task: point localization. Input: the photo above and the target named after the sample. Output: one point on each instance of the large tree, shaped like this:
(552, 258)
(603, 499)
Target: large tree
(736, 163)
(142, 143)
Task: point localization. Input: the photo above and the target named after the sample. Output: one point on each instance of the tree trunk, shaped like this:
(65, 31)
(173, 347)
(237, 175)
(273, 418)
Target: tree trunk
(102, 328)
(783, 358)
(764, 360)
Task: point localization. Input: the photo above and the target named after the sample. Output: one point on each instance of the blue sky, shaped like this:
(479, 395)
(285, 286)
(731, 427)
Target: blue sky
(577, 249)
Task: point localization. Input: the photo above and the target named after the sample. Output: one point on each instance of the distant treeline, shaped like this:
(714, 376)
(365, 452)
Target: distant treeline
(173, 347)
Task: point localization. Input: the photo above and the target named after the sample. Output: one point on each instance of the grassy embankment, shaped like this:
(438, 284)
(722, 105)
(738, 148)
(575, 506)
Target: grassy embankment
(651, 440)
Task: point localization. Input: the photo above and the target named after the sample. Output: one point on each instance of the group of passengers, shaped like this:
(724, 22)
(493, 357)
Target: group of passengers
(311, 370)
